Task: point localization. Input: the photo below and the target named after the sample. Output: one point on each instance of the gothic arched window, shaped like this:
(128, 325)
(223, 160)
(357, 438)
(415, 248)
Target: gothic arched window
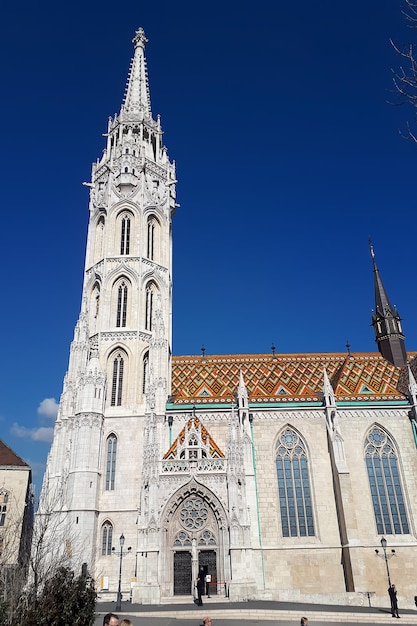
(384, 481)
(294, 485)
(151, 290)
(182, 539)
(152, 238)
(106, 538)
(98, 247)
(111, 462)
(117, 380)
(4, 497)
(96, 299)
(125, 235)
(121, 305)
(145, 372)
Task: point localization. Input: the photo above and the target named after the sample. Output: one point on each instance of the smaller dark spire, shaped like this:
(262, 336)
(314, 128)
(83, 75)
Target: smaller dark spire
(203, 350)
(273, 350)
(348, 348)
(387, 322)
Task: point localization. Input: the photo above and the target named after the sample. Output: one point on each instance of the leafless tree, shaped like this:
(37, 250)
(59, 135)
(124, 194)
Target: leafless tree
(405, 77)
(23, 579)
(15, 538)
(53, 538)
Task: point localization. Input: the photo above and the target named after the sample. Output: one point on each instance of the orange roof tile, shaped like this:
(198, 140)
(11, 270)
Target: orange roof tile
(283, 377)
(206, 438)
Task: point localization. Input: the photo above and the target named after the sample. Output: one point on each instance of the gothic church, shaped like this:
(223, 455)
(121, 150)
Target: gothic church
(277, 475)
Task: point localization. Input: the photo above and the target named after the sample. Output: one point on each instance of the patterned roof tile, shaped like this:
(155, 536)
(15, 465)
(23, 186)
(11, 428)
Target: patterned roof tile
(284, 377)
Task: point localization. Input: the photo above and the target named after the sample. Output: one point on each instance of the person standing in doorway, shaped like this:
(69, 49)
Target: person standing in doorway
(392, 592)
(200, 587)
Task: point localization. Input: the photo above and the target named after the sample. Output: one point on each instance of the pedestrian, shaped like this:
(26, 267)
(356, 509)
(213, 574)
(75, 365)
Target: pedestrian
(200, 587)
(392, 592)
(304, 621)
(126, 622)
(206, 621)
(110, 619)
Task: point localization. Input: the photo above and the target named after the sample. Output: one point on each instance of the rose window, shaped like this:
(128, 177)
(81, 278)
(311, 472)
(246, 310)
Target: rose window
(194, 514)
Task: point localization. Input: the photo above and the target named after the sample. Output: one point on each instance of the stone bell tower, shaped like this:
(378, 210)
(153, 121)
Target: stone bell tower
(119, 366)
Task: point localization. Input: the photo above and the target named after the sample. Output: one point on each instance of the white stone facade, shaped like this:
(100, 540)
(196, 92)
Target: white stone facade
(195, 484)
(16, 509)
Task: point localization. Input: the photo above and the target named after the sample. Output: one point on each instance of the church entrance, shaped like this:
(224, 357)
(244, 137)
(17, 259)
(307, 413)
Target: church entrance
(196, 544)
(182, 574)
(207, 563)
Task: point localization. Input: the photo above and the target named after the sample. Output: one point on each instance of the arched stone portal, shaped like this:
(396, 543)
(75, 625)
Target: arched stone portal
(197, 539)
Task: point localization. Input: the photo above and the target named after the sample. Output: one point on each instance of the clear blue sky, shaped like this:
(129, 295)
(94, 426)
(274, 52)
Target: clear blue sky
(289, 158)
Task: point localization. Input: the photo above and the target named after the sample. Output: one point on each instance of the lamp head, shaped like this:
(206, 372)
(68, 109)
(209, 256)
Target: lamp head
(383, 543)
(122, 540)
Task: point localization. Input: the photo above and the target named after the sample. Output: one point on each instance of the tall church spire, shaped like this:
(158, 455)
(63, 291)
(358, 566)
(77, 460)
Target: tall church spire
(137, 102)
(120, 359)
(387, 322)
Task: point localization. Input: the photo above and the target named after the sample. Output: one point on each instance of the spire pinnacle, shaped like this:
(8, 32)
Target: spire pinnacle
(382, 301)
(371, 250)
(387, 322)
(328, 392)
(140, 38)
(137, 102)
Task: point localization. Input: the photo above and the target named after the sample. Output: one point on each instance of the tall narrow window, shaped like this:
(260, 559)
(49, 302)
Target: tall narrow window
(111, 462)
(106, 538)
(117, 381)
(151, 238)
(95, 300)
(121, 305)
(4, 496)
(125, 235)
(385, 484)
(294, 486)
(145, 372)
(98, 247)
(153, 235)
(149, 305)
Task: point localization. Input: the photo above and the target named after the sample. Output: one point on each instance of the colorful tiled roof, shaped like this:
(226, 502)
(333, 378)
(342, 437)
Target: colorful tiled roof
(206, 439)
(284, 378)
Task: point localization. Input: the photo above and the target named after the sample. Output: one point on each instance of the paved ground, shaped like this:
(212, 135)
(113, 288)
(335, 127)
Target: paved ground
(253, 614)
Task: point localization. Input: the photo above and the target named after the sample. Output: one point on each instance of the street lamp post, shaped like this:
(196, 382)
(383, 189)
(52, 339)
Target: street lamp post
(386, 557)
(119, 589)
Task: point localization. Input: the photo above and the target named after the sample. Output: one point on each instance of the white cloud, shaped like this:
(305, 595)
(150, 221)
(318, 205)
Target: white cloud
(42, 434)
(19, 431)
(48, 408)
(36, 434)
(47, 411)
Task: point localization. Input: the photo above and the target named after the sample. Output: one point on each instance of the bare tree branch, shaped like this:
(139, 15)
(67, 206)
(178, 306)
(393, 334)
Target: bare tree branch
(405, 77)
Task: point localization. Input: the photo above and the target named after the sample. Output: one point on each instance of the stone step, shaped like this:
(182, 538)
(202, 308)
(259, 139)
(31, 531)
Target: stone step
(256, 615)
(189, 600)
